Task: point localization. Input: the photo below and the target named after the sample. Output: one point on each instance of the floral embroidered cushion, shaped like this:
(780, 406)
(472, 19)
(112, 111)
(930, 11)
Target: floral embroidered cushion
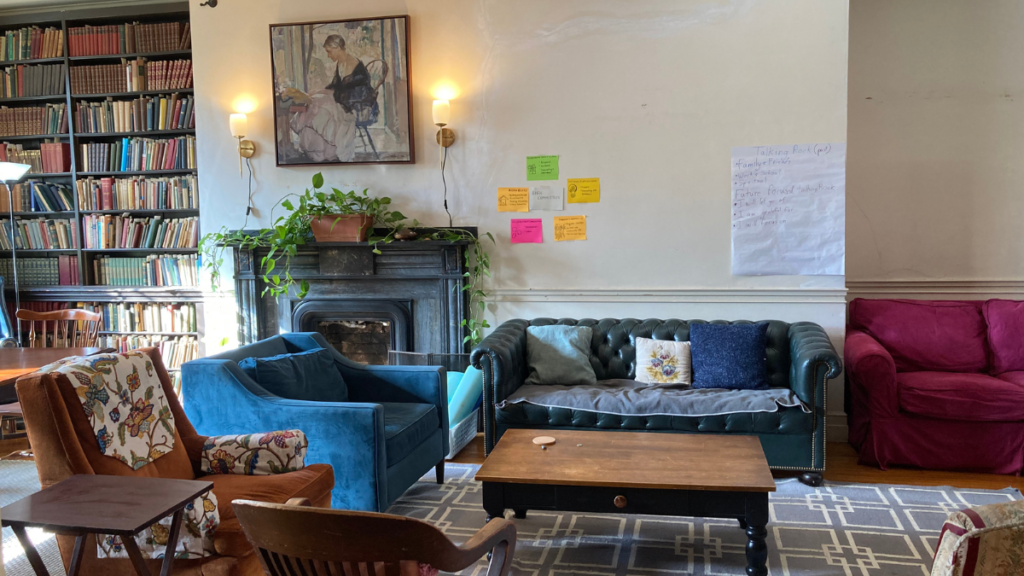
(124, 401)
(662, 361)
(982, 540)
(255, 454)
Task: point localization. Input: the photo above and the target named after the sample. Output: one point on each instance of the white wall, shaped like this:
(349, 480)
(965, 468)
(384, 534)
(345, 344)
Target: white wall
(648, 95)
(934, 169)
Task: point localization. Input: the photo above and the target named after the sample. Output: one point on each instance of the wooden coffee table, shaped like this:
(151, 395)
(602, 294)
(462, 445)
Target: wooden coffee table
(699, 475)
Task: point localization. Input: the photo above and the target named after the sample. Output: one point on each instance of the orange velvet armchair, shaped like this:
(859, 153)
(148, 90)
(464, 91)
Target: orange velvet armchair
(65, 445)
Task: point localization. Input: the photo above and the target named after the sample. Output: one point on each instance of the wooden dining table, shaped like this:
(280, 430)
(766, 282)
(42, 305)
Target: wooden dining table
(17, 362)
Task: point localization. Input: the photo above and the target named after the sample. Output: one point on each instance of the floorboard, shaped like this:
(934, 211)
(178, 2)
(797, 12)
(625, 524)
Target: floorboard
(842, 466)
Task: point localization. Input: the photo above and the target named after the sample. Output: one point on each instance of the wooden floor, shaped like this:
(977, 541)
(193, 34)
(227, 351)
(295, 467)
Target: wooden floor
(841, 466)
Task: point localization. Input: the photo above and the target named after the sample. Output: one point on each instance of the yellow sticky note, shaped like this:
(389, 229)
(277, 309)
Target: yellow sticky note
(513, 199)
(582, 190)
(570, 228)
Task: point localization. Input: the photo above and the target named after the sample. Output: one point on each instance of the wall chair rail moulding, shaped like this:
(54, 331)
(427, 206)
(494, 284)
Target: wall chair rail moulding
(682, 295)
(952, 289)
(342, 93)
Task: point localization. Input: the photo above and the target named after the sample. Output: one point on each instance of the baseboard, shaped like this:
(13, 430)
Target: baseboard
(951, 289)
(673, 295)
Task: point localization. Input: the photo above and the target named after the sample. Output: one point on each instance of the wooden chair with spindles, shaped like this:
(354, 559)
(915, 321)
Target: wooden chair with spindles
(73, 328)
(295, 539)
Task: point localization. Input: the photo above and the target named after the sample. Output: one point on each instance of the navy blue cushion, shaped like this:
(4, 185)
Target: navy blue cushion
(310, 375)
(729, 356)
(406, 426)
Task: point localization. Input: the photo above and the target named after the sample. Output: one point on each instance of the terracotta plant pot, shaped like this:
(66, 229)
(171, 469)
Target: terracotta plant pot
(341, 228)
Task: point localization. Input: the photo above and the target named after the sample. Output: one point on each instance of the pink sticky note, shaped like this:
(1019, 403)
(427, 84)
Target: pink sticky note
(527, 231)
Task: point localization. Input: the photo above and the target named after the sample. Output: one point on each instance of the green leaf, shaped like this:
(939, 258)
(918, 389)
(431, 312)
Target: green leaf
(318, 180)
(224, 341)
(288, 205)
(304, 286)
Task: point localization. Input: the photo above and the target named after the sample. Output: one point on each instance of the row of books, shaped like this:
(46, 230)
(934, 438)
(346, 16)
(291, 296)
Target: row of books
(32, 42)
(140, 115)
(105, 231)
(138, 317)
(139, 193)
(59, 271)
(40, 234)
(153, 270)
(139, 154)
(129, 38)
(32, 120)
(37, 196)
(51, 157)
(175, 350)
(132, 76)
(40, 80)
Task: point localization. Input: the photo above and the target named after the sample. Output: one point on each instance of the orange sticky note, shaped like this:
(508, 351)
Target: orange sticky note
(513, 199)
(570, 228)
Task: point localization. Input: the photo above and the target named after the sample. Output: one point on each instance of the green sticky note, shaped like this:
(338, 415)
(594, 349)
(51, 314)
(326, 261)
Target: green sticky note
(541, 168)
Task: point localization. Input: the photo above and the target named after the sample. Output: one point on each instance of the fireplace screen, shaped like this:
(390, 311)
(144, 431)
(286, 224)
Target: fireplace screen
(366, 341)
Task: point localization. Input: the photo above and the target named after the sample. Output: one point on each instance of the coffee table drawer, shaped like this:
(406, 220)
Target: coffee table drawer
(613, 500)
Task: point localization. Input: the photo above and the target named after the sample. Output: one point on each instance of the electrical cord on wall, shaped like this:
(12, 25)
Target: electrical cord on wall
(249, 206)
(444, 160)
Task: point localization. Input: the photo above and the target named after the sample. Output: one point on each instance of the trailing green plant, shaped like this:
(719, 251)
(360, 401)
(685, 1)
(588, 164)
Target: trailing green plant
(292, 230)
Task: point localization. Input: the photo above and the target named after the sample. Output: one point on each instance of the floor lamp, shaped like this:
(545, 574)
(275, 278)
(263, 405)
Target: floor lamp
(10, 174)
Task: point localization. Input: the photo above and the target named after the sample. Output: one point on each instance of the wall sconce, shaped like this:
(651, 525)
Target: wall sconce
(442, 113)
(246, 148)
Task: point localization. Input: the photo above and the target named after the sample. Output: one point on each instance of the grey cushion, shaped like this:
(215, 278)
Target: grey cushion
(559, 355)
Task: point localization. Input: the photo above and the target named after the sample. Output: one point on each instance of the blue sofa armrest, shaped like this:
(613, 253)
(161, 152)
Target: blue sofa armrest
(221, 399)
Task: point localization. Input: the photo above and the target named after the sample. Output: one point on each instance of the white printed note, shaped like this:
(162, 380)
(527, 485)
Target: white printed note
(547, 198)
(789, 209)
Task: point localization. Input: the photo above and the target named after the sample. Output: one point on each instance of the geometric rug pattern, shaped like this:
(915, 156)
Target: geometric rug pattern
(847, 529)
(851, 529)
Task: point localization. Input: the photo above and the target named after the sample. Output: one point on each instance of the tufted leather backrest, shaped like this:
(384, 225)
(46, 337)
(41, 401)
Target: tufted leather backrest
(613, 347)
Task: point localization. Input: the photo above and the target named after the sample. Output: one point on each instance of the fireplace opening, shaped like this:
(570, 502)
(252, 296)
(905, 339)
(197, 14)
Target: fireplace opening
(366, 341)
(363, 330)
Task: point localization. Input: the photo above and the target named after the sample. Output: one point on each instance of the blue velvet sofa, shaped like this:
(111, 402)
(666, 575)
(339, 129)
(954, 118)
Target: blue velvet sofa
(390, 433)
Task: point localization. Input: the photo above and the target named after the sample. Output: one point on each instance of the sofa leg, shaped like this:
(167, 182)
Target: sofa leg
(439, 471)
(811, 478)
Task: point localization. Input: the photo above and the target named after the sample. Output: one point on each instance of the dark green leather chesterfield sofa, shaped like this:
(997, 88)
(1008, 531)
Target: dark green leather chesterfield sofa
(799, 356)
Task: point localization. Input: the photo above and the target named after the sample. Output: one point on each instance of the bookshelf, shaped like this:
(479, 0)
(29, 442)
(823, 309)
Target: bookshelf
(92, 132)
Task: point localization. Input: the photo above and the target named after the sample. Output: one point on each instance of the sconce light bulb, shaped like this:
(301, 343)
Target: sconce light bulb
(239, 125)
(442, 112)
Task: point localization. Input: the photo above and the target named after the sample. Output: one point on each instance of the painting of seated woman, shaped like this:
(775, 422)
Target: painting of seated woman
(342, 93)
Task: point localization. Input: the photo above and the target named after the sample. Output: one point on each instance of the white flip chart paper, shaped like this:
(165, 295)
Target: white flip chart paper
(789, 209)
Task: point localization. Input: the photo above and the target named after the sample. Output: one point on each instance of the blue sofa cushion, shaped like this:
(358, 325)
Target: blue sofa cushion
(729, 356)
(310, 375)
(406, 426)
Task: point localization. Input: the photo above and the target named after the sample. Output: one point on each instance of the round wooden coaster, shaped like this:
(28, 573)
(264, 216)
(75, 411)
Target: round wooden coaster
(543, 440)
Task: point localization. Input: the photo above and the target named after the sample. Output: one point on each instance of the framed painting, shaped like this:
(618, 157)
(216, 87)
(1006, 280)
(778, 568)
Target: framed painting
(342, 93)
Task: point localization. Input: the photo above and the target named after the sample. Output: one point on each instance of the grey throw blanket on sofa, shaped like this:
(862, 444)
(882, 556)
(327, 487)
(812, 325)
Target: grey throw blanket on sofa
(632, 398)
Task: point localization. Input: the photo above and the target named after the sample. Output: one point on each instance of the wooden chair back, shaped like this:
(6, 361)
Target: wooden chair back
(295, 539)
(73, 328)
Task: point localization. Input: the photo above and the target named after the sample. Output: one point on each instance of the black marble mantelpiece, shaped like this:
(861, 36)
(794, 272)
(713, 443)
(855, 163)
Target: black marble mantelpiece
(417, 283)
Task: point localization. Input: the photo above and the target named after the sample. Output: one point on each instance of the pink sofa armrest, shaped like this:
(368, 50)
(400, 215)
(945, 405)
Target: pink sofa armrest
(872, 372)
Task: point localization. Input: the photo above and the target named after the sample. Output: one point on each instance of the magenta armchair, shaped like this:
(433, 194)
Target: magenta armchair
(937, 384)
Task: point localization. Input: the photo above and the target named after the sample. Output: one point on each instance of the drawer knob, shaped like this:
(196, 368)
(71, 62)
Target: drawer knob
(620, 501)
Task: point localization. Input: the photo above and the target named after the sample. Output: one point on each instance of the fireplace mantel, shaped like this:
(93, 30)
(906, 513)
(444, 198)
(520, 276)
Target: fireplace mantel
(424, 277)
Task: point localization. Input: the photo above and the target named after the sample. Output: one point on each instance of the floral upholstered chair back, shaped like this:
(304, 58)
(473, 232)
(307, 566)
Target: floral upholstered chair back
(982, 541)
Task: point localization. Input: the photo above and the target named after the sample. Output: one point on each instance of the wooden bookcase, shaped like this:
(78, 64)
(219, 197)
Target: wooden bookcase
(86, 291)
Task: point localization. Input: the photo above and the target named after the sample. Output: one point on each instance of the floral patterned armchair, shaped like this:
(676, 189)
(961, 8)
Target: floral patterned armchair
(982, 541)
(118, 415)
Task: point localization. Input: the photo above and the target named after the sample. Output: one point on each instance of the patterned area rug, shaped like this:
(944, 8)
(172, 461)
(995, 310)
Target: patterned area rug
(852, 529)
(18, 478)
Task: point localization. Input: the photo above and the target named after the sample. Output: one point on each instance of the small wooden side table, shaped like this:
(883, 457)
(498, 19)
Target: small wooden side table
(93, 504)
